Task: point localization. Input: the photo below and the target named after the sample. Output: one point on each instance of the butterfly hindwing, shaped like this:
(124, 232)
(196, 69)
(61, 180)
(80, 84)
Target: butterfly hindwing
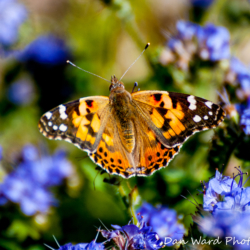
(174, 116)
(79, 122)
(111, 155)
(148, 155)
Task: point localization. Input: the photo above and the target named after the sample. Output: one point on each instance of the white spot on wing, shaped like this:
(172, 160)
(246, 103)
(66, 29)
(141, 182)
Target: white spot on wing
(209, 104)
(63, 128)
(68, 140)
(192, 101)
(197, 118)
(192, 106)
(62, 110)
(50, 124)
(55, 127)
(48, 115)
(205, 117)
(210, 113)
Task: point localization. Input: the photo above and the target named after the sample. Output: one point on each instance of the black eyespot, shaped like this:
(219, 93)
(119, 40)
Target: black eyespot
(89, 103)
(157, 97)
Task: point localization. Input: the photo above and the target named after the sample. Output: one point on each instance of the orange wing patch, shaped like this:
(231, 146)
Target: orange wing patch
(113, 162)
(156, 158)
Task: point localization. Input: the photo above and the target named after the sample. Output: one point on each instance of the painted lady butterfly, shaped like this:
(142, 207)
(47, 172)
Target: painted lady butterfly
(131, 134)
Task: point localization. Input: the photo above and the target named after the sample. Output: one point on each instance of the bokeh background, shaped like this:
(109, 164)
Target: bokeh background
(105, 37)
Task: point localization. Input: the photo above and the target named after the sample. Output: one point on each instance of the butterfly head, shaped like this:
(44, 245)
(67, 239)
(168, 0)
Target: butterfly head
(115, 84)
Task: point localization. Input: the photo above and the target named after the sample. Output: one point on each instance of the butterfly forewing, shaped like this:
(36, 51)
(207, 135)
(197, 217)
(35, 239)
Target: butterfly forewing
(174, 116)
(80, 122)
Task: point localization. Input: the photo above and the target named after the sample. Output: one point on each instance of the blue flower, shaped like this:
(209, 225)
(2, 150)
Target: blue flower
(47, 49)
(81, 246)
(230, 212)
(12, 15)
(29, 182)
(214, 43)
(186, 31)
(134, 237)
(21, 92)
(223, 193)
(215, 188)
(245, 120)
(201, 3)
(183, 45)
(163, 221)
(220, 224)
(233, 226)
(241, 74)
(209, 43)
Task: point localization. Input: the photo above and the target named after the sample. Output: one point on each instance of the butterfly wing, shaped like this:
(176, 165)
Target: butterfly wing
(165, 121)
(80, 122)
(174, 117)
(111, 155)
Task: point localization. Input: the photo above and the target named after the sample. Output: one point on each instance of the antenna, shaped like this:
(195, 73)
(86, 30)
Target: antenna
(87, 71)
(147, 45)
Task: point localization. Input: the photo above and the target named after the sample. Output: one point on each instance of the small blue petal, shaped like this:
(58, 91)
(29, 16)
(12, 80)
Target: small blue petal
(1, 153)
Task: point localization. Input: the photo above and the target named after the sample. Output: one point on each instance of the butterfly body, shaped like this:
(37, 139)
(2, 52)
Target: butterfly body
(131, 134)
(120, 102)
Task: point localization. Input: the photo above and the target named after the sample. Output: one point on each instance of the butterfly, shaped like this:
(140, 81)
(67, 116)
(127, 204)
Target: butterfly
(131, 134)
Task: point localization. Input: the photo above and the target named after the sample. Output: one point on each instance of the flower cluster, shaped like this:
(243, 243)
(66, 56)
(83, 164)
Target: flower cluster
(154, 226)
(134, 237)
(12, 15)
(209, 43)
(238, 76)
(229, 205)
(163, 221)
(28, 184)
